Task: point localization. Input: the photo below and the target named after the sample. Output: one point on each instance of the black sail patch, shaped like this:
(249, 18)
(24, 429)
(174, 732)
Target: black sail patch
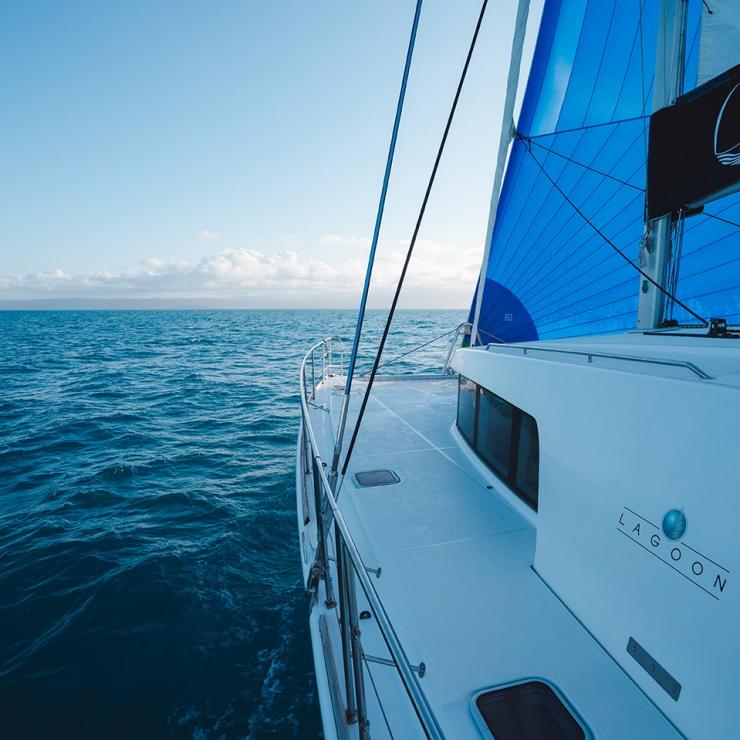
(694, 150)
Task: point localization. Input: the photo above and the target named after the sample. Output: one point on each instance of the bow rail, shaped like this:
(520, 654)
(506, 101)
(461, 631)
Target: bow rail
(350, 568)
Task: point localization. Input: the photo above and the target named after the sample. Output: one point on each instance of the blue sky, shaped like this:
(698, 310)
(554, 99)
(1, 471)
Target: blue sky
(235, 149)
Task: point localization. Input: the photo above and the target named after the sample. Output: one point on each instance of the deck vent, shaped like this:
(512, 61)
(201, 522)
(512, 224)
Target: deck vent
(527, 711)
(369, 478)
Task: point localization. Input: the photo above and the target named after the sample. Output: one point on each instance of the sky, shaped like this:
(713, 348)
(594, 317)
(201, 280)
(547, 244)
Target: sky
(234, 151)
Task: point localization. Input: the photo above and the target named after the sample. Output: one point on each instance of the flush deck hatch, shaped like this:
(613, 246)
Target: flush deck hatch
(527, 711)
(369, 478)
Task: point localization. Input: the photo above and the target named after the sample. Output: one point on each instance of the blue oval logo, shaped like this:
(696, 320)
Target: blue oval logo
(674, 524)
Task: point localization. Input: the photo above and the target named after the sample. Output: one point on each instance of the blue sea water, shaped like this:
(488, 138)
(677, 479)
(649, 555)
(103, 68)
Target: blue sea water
(150, 582)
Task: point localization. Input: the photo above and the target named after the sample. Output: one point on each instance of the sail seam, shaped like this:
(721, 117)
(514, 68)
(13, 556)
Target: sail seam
(569, 220)
(616, 248)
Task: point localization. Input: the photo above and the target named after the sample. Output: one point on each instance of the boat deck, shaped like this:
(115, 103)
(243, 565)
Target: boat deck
(456, 574)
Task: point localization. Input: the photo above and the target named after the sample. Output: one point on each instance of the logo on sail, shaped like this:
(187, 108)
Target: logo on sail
(726, 130)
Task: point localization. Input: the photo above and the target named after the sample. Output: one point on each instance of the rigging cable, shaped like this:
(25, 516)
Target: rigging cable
(581, 164)
(373, 248)
(666, 292)
(498, 267)
(609, 176)
(410, 250)
(527, 276)
(419, 346)
(644, 100)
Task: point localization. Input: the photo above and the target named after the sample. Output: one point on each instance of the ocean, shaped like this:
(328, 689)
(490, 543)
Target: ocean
(150, 583)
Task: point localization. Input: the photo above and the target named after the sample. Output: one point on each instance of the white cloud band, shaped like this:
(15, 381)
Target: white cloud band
(260, 279)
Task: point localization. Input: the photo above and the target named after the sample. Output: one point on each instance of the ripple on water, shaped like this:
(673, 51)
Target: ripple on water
(151, 582)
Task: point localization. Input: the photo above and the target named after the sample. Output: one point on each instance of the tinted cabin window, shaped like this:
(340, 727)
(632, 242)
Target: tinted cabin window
(503, 436)
(528, 459)
(466, 408)
(495, 420)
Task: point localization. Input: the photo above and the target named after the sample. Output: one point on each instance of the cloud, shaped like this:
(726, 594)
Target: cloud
(206, 235)
(342, 240)
(430, 247)
(261, 279)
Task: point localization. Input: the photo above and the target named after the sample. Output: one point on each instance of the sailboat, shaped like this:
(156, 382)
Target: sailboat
(540, 541)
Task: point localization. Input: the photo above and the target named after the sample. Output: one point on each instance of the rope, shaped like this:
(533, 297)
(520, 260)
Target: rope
(395, 359)
(496, 339)
(526, 275)
(644, 102)
(373, 248)
(383, 194)
(613, 245)
(410, 250)
(581, 164)
(549, 134)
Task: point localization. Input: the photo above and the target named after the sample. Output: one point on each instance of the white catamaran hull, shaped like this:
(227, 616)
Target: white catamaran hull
(486, 592)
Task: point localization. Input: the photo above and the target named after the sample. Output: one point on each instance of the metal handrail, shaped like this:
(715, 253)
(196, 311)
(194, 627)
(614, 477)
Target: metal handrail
(468, 328)
(405, 669)
(590, 355)
(327, 344)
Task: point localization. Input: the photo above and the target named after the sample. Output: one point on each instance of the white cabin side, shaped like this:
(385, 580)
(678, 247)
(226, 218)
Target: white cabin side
(621, 444)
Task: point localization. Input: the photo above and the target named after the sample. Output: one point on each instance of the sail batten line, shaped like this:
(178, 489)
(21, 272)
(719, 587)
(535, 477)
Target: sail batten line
(615, 247)
(528, 283)
(585, 166)
(711, 243)
(719, 218)
(583, 133)
(582, 130)
(561, 287)
(556, 132)
(543, 248)
(528, 277)
(548, 313)
(595, 321)
(563, 284)
(546, 309)
(498, 266)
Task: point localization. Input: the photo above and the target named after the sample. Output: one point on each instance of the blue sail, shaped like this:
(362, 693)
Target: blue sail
(577, 167)
(709, 275)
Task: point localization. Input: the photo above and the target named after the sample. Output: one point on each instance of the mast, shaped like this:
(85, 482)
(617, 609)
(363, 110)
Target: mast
(656, 246)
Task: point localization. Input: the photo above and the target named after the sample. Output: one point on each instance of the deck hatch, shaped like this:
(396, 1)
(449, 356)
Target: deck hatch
(527, 711)
(369, 478)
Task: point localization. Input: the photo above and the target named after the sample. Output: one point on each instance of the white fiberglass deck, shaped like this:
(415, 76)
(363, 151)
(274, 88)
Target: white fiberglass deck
(457, 578)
